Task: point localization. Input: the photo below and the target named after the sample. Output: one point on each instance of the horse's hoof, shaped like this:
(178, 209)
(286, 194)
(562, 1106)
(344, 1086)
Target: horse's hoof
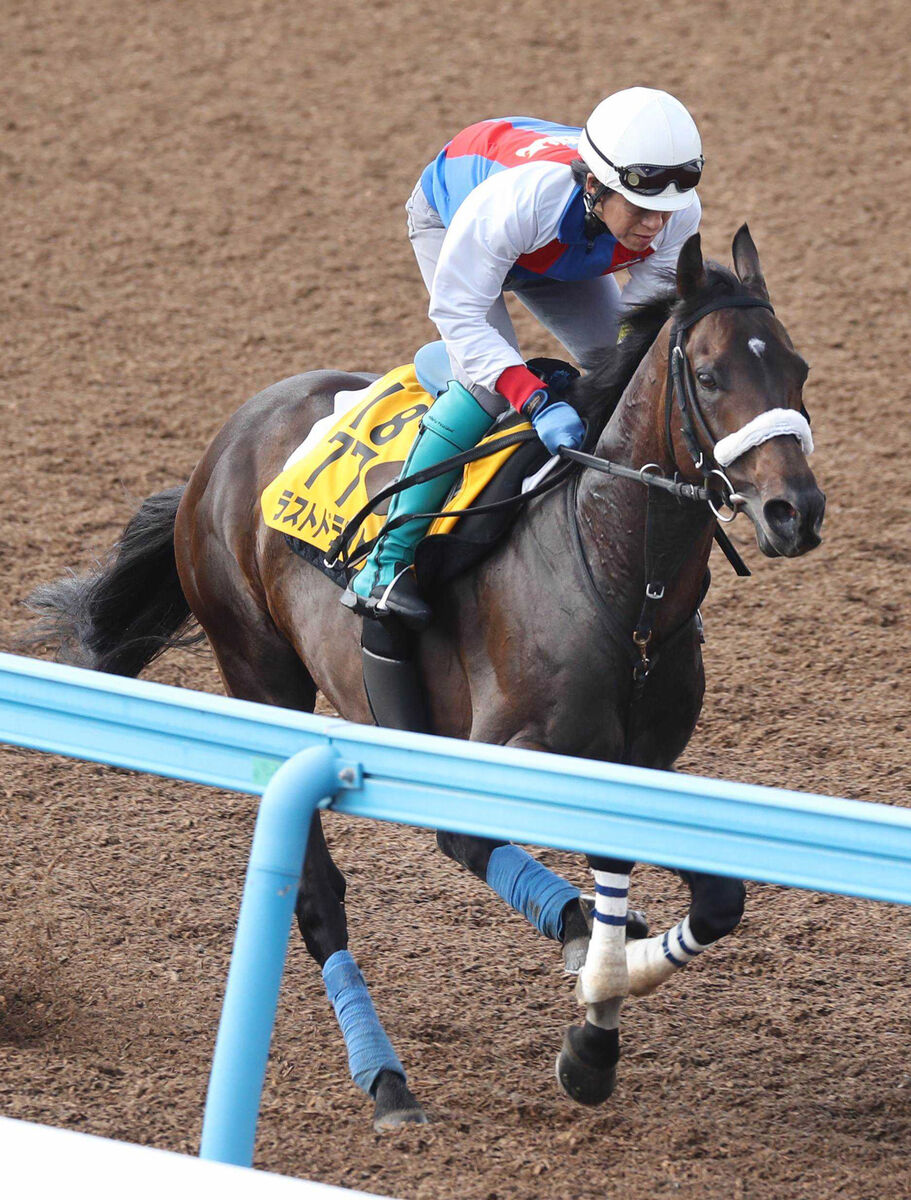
(395, 1105)
(587, 1063)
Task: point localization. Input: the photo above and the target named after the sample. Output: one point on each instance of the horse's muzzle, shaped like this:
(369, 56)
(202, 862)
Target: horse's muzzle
(790, 525)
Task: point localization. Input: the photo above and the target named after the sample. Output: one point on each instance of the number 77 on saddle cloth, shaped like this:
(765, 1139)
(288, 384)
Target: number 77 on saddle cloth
(364, 450)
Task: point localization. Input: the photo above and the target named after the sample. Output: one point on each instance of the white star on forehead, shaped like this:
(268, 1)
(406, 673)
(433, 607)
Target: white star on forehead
(757, 345)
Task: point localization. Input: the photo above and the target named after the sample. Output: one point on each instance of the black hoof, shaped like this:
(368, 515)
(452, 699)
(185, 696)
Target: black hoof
(395, 1105)
(587, 1063)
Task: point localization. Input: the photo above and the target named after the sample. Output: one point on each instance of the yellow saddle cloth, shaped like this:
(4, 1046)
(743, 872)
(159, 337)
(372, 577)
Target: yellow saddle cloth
(362, 451)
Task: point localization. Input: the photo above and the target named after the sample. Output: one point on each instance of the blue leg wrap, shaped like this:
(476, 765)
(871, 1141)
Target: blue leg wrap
(530, 888)
(369, 1049)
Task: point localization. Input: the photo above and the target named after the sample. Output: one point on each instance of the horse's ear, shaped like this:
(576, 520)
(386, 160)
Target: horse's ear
(746, 262)
(690, 267)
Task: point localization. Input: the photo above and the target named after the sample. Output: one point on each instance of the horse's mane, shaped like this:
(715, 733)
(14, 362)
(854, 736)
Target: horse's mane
(596, 394)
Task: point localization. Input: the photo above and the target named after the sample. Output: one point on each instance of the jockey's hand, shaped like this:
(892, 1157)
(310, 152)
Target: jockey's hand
(558, 424)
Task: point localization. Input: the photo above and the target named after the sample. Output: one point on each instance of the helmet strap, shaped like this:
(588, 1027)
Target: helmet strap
(594, 226)
(590, 199)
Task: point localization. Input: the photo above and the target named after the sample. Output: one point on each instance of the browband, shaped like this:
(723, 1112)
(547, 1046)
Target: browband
(723, 302)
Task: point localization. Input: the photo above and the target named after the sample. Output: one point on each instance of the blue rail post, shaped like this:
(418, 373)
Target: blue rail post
(260, 947)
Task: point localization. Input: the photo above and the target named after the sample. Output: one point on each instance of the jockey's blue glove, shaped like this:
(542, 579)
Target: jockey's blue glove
(556, 423)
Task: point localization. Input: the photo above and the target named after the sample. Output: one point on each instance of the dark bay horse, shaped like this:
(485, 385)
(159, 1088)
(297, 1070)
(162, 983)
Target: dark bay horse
(533, 648)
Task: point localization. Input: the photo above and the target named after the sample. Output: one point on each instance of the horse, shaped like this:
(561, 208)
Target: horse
(578, 634)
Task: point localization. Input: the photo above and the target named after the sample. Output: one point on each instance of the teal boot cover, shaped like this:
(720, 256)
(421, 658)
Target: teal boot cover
(455, 422)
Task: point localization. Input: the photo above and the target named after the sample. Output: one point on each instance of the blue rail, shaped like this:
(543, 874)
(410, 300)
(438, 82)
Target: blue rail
(768, 834)
(300, 762)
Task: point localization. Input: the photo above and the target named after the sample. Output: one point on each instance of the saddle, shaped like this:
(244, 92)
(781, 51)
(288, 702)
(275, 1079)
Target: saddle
(350, 456)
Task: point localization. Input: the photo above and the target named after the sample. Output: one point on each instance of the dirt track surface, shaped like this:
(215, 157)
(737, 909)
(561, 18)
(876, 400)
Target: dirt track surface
(198, 199)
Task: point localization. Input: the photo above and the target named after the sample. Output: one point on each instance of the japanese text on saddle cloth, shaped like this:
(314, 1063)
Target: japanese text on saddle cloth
(353, 453)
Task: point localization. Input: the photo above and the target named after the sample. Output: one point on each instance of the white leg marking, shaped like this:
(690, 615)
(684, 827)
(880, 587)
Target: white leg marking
(654, 960)
(604, 979)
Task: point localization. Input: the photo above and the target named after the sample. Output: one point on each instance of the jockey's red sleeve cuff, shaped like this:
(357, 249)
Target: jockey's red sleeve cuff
(517, 384)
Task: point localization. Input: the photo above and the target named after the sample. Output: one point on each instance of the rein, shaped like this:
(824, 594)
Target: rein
(339, 555)
(650, 475)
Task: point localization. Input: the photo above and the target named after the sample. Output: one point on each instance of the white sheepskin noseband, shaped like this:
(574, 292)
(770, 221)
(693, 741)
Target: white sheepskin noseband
(775, 423)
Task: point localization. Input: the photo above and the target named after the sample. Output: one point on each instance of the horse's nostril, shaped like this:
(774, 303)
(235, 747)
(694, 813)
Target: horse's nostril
(780, 514)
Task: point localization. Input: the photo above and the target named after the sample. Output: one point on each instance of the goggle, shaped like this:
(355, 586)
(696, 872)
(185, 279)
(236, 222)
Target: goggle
(650, 179)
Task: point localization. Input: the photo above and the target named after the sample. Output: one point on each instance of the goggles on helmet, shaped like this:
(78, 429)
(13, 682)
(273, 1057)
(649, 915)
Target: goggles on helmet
(651, 179)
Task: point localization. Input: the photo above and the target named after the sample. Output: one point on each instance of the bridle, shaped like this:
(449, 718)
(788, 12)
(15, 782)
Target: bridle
(716, 490)
(681, 387)
(664, 553)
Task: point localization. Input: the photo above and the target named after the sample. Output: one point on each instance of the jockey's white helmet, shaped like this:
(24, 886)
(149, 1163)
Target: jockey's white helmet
(646, 128)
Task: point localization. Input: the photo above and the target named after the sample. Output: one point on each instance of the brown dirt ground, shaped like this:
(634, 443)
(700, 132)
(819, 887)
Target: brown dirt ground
(199, 198)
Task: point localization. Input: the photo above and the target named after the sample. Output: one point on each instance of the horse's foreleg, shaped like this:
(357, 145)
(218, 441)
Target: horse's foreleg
(547, 900)
(603, 982)
(715, 909)
(587, 1063)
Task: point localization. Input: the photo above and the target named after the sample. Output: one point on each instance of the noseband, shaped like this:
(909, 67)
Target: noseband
(681, 387)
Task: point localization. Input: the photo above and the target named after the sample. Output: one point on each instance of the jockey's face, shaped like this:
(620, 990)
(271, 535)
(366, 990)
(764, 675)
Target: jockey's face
(632, 226)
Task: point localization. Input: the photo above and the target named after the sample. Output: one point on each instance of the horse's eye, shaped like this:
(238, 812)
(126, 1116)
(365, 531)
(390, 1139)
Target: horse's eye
(707, 380)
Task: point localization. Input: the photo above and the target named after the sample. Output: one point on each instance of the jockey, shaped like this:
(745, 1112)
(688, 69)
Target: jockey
(548, 212)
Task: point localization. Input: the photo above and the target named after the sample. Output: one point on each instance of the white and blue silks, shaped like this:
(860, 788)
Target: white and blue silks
(530, 888)
(369, 1048)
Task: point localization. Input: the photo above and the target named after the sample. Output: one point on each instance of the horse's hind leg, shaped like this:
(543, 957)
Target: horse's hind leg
(715, 909)
(373, 1063)
(256, 663)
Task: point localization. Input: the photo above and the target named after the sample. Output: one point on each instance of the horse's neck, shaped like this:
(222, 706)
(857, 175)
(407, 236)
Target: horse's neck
(611, 512)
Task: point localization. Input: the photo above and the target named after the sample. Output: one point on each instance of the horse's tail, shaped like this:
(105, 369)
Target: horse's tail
(130, 608)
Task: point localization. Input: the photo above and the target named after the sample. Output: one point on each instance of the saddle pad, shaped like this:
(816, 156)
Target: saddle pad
(321, 489)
